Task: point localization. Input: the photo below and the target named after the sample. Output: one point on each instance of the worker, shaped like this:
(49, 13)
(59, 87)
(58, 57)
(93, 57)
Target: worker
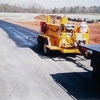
(83, 27)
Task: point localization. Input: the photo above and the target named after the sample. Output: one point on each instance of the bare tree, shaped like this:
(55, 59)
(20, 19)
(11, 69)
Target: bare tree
(36, 8)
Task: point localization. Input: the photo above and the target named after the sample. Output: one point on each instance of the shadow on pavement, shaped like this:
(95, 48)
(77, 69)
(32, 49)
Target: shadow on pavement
(19, 34)
(78, 85)
(57, 56)
(40, 54)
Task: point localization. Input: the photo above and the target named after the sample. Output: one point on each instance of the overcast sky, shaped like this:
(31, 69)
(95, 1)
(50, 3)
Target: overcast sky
(55, 3)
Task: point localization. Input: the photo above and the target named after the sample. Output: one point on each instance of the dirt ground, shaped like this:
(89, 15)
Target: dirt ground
(35, 25)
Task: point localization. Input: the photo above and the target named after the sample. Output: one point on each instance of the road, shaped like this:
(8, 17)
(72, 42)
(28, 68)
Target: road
(26, 74)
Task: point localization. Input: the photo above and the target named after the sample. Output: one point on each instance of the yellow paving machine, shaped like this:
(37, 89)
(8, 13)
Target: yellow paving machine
(62, 36)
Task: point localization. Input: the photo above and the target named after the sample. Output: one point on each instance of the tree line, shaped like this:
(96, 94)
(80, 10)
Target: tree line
(36, 8)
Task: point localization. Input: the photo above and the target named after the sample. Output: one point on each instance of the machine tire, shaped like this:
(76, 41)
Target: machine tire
(46, 51)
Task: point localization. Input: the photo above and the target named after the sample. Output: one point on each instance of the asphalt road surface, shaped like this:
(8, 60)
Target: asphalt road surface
(26, 74)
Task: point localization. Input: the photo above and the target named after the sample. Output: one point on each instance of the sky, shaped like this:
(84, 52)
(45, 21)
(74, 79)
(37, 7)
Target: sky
(55, 3)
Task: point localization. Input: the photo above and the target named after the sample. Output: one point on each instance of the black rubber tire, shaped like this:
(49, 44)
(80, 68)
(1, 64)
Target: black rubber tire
(40, 44)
